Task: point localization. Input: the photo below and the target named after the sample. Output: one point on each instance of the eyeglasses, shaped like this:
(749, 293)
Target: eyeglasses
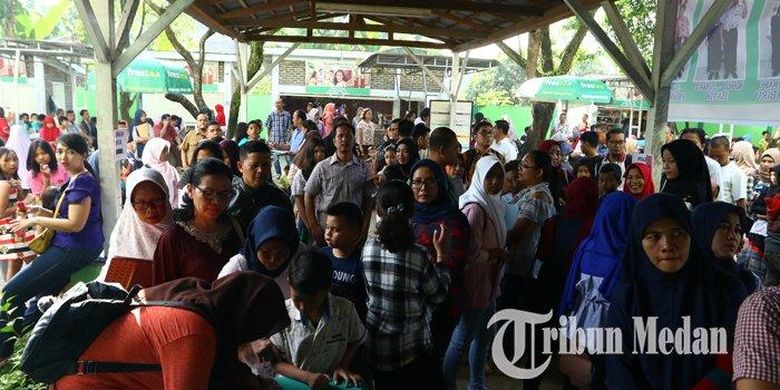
(418, 184)
(221, 196)
(143, 206)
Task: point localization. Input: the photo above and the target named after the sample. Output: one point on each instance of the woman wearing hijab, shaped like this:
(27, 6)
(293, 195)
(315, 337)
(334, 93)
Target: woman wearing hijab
(408, 155)
(743, 155)
(197, 345)
(561, 237)
(49, 132)
(685, 172)
(147, 213)
(594, 272)
(483, 208)
(220, 115)
(664, 275)
(19, 142)
(718, 228)
(142, 131)
(156, 157)
(432, 208)
(271, 242)
(638, 181)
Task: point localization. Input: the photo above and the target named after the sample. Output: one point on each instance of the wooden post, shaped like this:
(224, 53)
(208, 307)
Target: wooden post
(663, 52)
(105, 82)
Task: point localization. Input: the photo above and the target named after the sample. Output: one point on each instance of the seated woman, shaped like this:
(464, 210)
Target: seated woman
(270, 244)
(78, 238)
(718, 229)
(13, 252)
(143, 220)
(203, 237)
(196, 348)
(664, 275)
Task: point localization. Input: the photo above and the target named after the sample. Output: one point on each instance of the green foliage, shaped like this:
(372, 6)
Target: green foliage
(58, 21)
(640, 20)
(497, 86)
(11, 377)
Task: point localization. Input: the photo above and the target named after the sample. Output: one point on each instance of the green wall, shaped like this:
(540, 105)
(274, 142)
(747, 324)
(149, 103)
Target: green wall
(257, 107)
(739, 130)
(519, 116)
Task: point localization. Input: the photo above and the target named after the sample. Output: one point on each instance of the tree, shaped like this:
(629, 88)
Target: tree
(639, 16)
(540, 61)
(195, 67)
(497, 86)
(253, 66)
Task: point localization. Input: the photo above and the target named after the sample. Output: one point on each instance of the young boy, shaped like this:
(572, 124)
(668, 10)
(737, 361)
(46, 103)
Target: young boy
(609, 179)
(343, 227)
(252, 132)
(324, 332)
(512, 185)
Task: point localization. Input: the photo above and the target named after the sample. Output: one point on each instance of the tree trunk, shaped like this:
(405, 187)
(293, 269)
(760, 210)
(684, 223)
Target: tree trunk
(196, 67)
(253, 66)
(125, 102)
(186, 103)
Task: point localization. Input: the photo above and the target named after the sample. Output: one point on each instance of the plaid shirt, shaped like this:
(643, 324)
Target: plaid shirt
(278, 123)
(756, 339)
(402, 291)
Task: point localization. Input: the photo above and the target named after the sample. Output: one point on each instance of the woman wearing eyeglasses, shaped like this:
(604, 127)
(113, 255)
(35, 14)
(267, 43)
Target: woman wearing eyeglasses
(145, 217)
(203, 237)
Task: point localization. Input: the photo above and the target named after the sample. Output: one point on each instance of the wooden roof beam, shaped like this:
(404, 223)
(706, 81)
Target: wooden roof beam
(453, 5)
(348, 41)
(457, 19)
(262, 7)
(308, 24)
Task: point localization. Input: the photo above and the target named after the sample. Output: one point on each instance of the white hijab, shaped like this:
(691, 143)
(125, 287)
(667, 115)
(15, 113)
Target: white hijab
(492, 204)
(19, 142)
(132, 237)
(151, 157)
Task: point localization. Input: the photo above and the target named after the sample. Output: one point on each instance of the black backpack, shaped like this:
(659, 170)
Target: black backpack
(70, 325)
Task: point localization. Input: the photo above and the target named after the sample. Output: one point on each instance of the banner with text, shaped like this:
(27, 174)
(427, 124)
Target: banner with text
(734, 76)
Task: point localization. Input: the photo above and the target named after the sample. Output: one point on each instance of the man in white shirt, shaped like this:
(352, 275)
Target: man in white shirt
(561, 132)
(502, 143)
(697, 136)
(733, 185)
(616, 141)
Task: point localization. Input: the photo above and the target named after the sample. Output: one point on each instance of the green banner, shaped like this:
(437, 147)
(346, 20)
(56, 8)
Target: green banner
(337, 91)
(734, 76)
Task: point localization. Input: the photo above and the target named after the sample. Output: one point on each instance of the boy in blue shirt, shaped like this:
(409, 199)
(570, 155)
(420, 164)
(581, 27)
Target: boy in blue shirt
(343, 230)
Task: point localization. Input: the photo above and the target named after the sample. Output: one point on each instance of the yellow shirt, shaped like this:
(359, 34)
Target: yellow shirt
(189, 144)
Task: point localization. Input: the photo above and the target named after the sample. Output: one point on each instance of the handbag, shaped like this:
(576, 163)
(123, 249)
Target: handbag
(42, 241)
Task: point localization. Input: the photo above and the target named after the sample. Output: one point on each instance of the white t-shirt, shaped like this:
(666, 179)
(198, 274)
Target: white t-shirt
(507, 148)
(715, 171)
(733, 184)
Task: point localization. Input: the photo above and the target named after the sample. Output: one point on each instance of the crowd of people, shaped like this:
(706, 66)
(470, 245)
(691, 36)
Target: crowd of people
(378, 252)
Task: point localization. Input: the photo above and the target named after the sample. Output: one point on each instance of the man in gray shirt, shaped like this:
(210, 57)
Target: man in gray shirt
(341, 178)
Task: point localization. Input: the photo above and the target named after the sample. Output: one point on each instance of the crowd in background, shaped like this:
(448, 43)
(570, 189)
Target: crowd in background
(393, 246)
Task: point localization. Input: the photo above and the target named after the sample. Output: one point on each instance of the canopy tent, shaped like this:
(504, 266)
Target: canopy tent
(148, 75)
(567, 89)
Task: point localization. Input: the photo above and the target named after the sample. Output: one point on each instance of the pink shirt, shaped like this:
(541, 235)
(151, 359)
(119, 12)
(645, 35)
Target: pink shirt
(58, 178)
(481, 275)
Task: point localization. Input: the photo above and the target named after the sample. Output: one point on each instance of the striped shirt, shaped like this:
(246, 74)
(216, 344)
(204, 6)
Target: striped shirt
(403, 289)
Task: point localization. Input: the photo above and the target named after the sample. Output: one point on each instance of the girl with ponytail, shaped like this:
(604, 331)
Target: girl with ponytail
(404, 285)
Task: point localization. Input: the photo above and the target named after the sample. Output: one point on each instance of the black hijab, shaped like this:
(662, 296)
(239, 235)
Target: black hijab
(646, 291)
(706, 218)
(693, 182)
(414, 155)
